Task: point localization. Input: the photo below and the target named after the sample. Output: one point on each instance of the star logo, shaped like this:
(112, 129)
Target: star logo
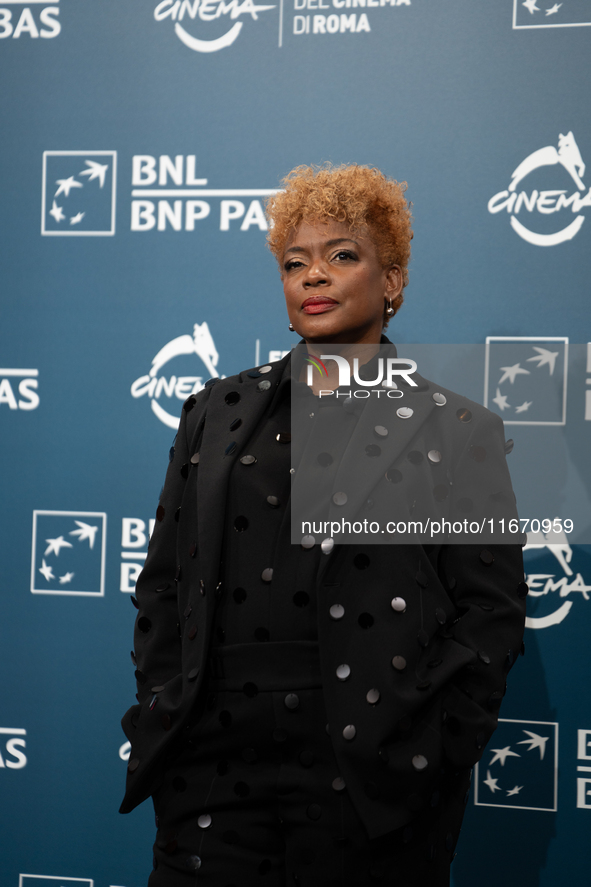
(524, 406)
(78, 193)
(53, 881)
(521, 394)
(46, 571)
(492, 783)
(68, 553)
(55, 545)
(512, 372)
(501, 754)
(550, 14)
(95, 171)
(501, 400)
(522, 772)
(545, 357)
(535, 741)
(57, 212)
(85, 531)
(66, 185)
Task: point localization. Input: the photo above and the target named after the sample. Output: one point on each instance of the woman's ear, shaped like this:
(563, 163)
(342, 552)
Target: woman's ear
(394, 281)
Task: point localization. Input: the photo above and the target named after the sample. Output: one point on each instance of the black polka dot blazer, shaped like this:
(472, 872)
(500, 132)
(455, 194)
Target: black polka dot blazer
(428, 632)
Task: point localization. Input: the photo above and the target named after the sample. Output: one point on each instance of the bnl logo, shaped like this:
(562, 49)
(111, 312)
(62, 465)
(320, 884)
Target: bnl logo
(18, 389)
(79, 192)
(12, 756)
(584, 781)
(551, 14)
(522, 770)
(68, 553)
(525, 379)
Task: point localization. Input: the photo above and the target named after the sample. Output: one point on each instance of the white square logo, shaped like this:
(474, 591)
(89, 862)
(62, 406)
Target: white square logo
(521, 771)
(551, 14)
(79, 192)
(525, 379)
(53, 881)
(68, 553)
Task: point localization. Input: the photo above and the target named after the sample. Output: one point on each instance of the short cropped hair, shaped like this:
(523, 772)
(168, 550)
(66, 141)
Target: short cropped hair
(361, 196)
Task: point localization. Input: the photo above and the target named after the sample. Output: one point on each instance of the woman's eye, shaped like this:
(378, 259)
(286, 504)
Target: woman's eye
(345, 254)
(293, 263)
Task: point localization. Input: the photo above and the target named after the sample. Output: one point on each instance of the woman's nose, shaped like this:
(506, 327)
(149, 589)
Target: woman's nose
(317, 273)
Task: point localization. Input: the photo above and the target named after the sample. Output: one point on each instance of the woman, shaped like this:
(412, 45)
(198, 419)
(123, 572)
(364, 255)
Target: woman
(310, 713)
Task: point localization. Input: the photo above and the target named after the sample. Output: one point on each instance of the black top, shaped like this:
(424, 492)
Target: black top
(268, 583)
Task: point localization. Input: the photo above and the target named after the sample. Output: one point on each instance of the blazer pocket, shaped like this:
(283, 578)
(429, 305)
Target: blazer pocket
(443, 661)
(129, 721)
(467, 727)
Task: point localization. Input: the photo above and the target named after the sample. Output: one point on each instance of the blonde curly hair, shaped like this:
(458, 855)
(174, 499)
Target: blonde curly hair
(361, 196)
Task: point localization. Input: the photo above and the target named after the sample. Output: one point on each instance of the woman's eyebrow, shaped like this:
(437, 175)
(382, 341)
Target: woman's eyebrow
(301, 249)
(341, 240)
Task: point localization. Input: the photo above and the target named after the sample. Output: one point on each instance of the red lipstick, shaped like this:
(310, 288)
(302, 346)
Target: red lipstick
(318, 305)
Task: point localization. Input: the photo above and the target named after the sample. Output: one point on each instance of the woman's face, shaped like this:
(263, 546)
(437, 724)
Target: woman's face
(334, 284)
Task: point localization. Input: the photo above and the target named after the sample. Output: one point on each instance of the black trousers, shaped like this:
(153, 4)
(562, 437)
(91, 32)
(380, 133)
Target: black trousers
(254, 794)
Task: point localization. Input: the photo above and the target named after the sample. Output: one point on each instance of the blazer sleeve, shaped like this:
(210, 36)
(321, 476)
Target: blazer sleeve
(157, 643)
(490, 598)
(486, 584)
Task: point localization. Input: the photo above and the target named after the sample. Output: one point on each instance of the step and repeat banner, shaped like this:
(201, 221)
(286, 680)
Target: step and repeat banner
(139, 141)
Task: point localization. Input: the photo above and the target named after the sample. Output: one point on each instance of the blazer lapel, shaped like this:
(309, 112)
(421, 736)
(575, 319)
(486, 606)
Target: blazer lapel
(358, 473)
(239, 397)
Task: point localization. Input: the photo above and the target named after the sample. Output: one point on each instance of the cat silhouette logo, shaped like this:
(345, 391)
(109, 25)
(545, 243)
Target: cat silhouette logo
(525, 379)
(68, 556)
(78, 193)
(521, 771)
(531, 204)
(195, 357)
(554, 580)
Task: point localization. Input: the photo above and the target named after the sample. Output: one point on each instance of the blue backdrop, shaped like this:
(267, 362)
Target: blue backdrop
(139, 140)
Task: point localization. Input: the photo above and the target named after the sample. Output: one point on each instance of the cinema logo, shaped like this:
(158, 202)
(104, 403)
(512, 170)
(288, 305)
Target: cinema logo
(210, 16)
(554, 585)
(542, 204)
(204, 25)
(155, 180)
(179, 369)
